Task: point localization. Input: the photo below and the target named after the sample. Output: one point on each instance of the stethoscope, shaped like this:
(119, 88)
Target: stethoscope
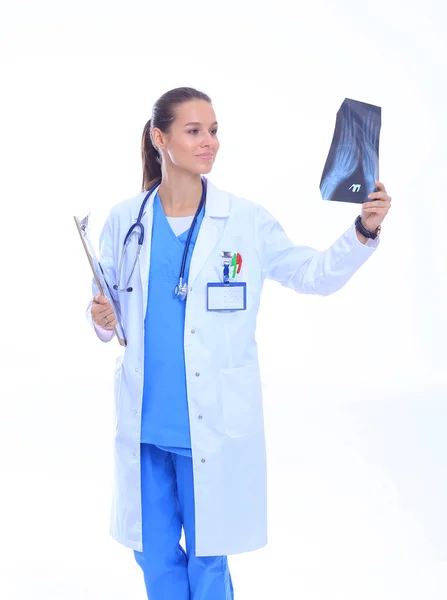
(181, 289)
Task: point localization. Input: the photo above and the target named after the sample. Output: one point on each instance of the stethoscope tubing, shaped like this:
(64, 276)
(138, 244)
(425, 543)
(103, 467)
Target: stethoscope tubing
(139, 225)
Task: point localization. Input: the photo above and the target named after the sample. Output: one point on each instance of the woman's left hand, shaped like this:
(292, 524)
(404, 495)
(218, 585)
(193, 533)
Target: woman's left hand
(374, 211)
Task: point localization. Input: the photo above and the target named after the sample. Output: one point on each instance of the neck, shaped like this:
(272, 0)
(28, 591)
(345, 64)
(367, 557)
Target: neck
(180, 193)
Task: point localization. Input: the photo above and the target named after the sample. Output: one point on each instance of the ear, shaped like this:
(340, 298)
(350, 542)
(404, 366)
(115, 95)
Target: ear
(158, 138)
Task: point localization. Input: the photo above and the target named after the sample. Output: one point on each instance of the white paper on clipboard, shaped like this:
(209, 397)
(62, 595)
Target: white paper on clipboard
(98, 274)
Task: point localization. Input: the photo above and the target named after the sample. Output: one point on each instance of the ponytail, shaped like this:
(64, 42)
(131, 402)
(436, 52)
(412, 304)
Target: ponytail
(150, 158)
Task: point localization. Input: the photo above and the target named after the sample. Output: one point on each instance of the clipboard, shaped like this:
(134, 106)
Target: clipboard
(98, 274)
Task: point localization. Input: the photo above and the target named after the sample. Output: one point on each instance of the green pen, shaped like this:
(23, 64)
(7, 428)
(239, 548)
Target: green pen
(234, 265)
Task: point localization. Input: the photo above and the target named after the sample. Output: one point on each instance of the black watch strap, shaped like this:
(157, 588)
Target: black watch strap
(368, 234)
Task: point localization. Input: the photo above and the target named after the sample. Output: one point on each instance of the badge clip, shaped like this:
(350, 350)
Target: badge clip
(226, 272)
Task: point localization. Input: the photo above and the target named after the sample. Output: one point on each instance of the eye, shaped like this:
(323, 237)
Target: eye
(214, 131)
(193, 131)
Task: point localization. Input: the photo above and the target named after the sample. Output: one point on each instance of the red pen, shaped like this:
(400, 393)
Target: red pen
(239, 262)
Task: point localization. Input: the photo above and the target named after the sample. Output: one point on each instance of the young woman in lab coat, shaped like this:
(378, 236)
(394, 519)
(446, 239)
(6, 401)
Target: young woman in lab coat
(189, 443)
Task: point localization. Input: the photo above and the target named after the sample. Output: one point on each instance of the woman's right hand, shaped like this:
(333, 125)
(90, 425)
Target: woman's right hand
(102, 313)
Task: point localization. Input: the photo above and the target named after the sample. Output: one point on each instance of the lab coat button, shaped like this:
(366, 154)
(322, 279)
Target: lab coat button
(135, 412)
(197, 374)
(136, 370)
(193, 330)
(203, 460)
(134, 453)
(200, 417)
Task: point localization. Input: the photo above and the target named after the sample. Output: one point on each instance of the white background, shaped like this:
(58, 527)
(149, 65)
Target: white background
(355, 384)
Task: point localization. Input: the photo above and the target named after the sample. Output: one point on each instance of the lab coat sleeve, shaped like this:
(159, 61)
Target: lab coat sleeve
(108, 265)
(305, 269)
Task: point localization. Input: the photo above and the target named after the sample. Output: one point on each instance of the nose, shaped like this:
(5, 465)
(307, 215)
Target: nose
(207, 139)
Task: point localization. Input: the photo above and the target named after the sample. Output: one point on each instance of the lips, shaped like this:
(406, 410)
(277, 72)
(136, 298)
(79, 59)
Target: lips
(206, 156)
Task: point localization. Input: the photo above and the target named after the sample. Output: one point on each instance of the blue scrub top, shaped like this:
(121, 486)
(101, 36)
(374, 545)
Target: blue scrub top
(165, 418)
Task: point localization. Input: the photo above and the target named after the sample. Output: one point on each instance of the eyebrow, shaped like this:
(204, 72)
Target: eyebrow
(197, 123)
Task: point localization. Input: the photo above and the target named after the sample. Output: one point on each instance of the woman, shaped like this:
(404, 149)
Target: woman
(189, 447)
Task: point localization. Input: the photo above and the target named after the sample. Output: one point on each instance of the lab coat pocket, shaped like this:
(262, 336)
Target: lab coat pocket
(241, 395)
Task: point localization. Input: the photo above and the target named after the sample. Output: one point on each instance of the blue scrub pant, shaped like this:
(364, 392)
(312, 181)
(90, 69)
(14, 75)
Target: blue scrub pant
(167, 495)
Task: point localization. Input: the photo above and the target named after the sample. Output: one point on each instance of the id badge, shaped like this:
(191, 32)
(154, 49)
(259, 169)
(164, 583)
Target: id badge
(227, 296)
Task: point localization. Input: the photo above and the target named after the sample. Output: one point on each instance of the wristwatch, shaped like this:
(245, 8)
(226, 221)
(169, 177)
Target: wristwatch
(368, 234)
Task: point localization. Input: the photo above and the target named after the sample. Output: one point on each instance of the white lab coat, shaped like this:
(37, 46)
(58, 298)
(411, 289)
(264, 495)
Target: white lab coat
(222, 371)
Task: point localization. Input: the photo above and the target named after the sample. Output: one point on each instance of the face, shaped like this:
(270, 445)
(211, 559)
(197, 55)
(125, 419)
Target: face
(192, 142)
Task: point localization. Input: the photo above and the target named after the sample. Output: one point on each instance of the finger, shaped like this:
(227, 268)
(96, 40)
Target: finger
(380, 186)
(102, 311)
(100, 299)
(379, 196)
(103, 321)
(377, 203)
(375, 210)
(106, 322)
(109, 315)
(110, 325)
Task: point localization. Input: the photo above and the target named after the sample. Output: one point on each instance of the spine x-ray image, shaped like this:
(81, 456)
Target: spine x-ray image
(352, 165)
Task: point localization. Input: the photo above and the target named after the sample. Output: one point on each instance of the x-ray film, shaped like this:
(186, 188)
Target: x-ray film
(352, 165)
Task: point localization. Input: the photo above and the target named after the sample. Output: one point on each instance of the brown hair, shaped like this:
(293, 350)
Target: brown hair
(163, 115)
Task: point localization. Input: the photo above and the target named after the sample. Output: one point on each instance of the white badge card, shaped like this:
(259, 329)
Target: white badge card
(227, 296)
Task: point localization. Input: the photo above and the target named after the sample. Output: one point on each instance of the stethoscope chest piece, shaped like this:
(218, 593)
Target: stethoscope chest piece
(181, 291)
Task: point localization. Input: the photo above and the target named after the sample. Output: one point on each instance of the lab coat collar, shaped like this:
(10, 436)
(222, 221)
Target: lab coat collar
(217, 209)
(217, 202)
